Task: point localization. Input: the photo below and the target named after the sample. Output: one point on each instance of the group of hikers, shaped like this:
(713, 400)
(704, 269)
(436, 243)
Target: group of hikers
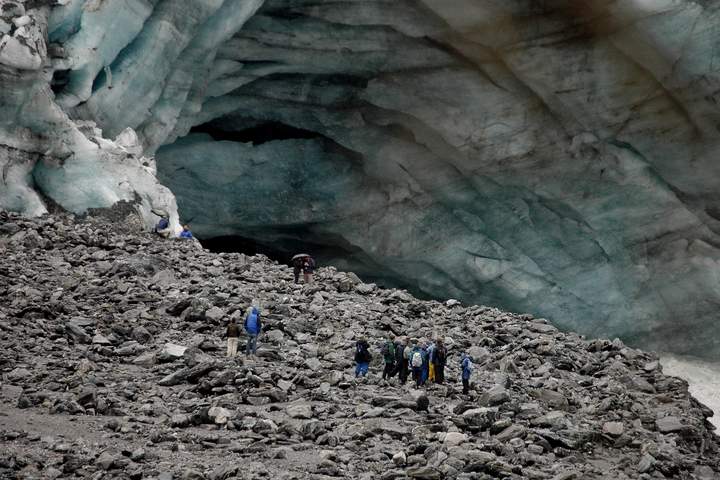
(164, 229)
(253, 327)
(252, 323)
(424, 361)
(304, 263)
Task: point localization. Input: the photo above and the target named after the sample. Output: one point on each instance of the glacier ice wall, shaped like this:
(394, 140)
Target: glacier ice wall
(557, 157)
(48, 156)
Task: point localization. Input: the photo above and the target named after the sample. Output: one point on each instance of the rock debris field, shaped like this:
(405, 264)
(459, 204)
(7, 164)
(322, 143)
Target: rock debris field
(114, 367)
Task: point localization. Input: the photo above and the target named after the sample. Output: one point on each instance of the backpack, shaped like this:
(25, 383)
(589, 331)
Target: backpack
(388, 351)
(467, 364)
(252, 321)
(416, 359)
(362, 354)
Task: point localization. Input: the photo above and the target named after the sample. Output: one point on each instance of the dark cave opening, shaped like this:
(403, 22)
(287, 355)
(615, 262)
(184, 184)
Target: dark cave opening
(257, 134)
(59, 81)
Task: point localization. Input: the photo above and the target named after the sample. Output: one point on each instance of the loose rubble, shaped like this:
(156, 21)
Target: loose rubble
(113, 366)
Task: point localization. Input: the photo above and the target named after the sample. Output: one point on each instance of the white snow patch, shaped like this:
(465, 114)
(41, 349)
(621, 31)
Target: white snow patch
(703, 377)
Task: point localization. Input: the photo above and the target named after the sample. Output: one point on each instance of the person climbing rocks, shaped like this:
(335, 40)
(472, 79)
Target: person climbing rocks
(363, 357)
(416, 363)
(388, 353)
(467, 368)
(186, 233)
(163, 226)
(400, 363)
(308, 267)
(253, 327)
(438, 361)
(232, 334)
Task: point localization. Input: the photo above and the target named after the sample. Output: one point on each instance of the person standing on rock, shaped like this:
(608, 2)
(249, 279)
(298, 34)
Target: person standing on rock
(400, 362)
(438, 360)
(407, 355)
(297, 263)
(416, 363)
(425, 370)
(362, 357)
(430, 351)
(308, 268)
(467, 368)
(232, 334)
(388, 353)
(253, 327)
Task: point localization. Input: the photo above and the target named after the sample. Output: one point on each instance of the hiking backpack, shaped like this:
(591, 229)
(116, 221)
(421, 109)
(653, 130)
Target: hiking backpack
(417, 359)
(362, 354)
(388, 351)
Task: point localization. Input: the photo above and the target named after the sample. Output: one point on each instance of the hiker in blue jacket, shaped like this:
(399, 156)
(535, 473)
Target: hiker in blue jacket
(163, 226)
(186, 233)
(425, 371)
(253, 327)
(467, 368)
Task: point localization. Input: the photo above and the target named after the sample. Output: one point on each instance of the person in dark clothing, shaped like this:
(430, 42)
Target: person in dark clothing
(388, 352)
(232, 334)
(425, 372)
(467, 368)
(308, 267)
(439, 358)
(400, 361)
(297, 264)
(362, 357)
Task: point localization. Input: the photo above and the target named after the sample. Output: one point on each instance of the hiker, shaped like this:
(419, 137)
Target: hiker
(308, 267)
(431, 366)
(425, 369)
(163, 226)
(438, 360)
(400, 362)
(186, 233)
(362, 357)
(388, 353)
(416, 363)
(232, 334)
(253, 327)
(407, 364)
(297, 263)
(467, 368)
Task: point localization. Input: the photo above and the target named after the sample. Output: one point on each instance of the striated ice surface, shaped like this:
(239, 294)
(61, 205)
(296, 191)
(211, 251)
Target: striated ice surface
(553, 157)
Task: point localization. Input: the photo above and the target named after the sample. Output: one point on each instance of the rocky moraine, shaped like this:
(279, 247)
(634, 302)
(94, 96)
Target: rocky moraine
(114, 367)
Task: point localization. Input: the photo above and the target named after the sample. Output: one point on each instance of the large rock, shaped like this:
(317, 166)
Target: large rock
(480, 417)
